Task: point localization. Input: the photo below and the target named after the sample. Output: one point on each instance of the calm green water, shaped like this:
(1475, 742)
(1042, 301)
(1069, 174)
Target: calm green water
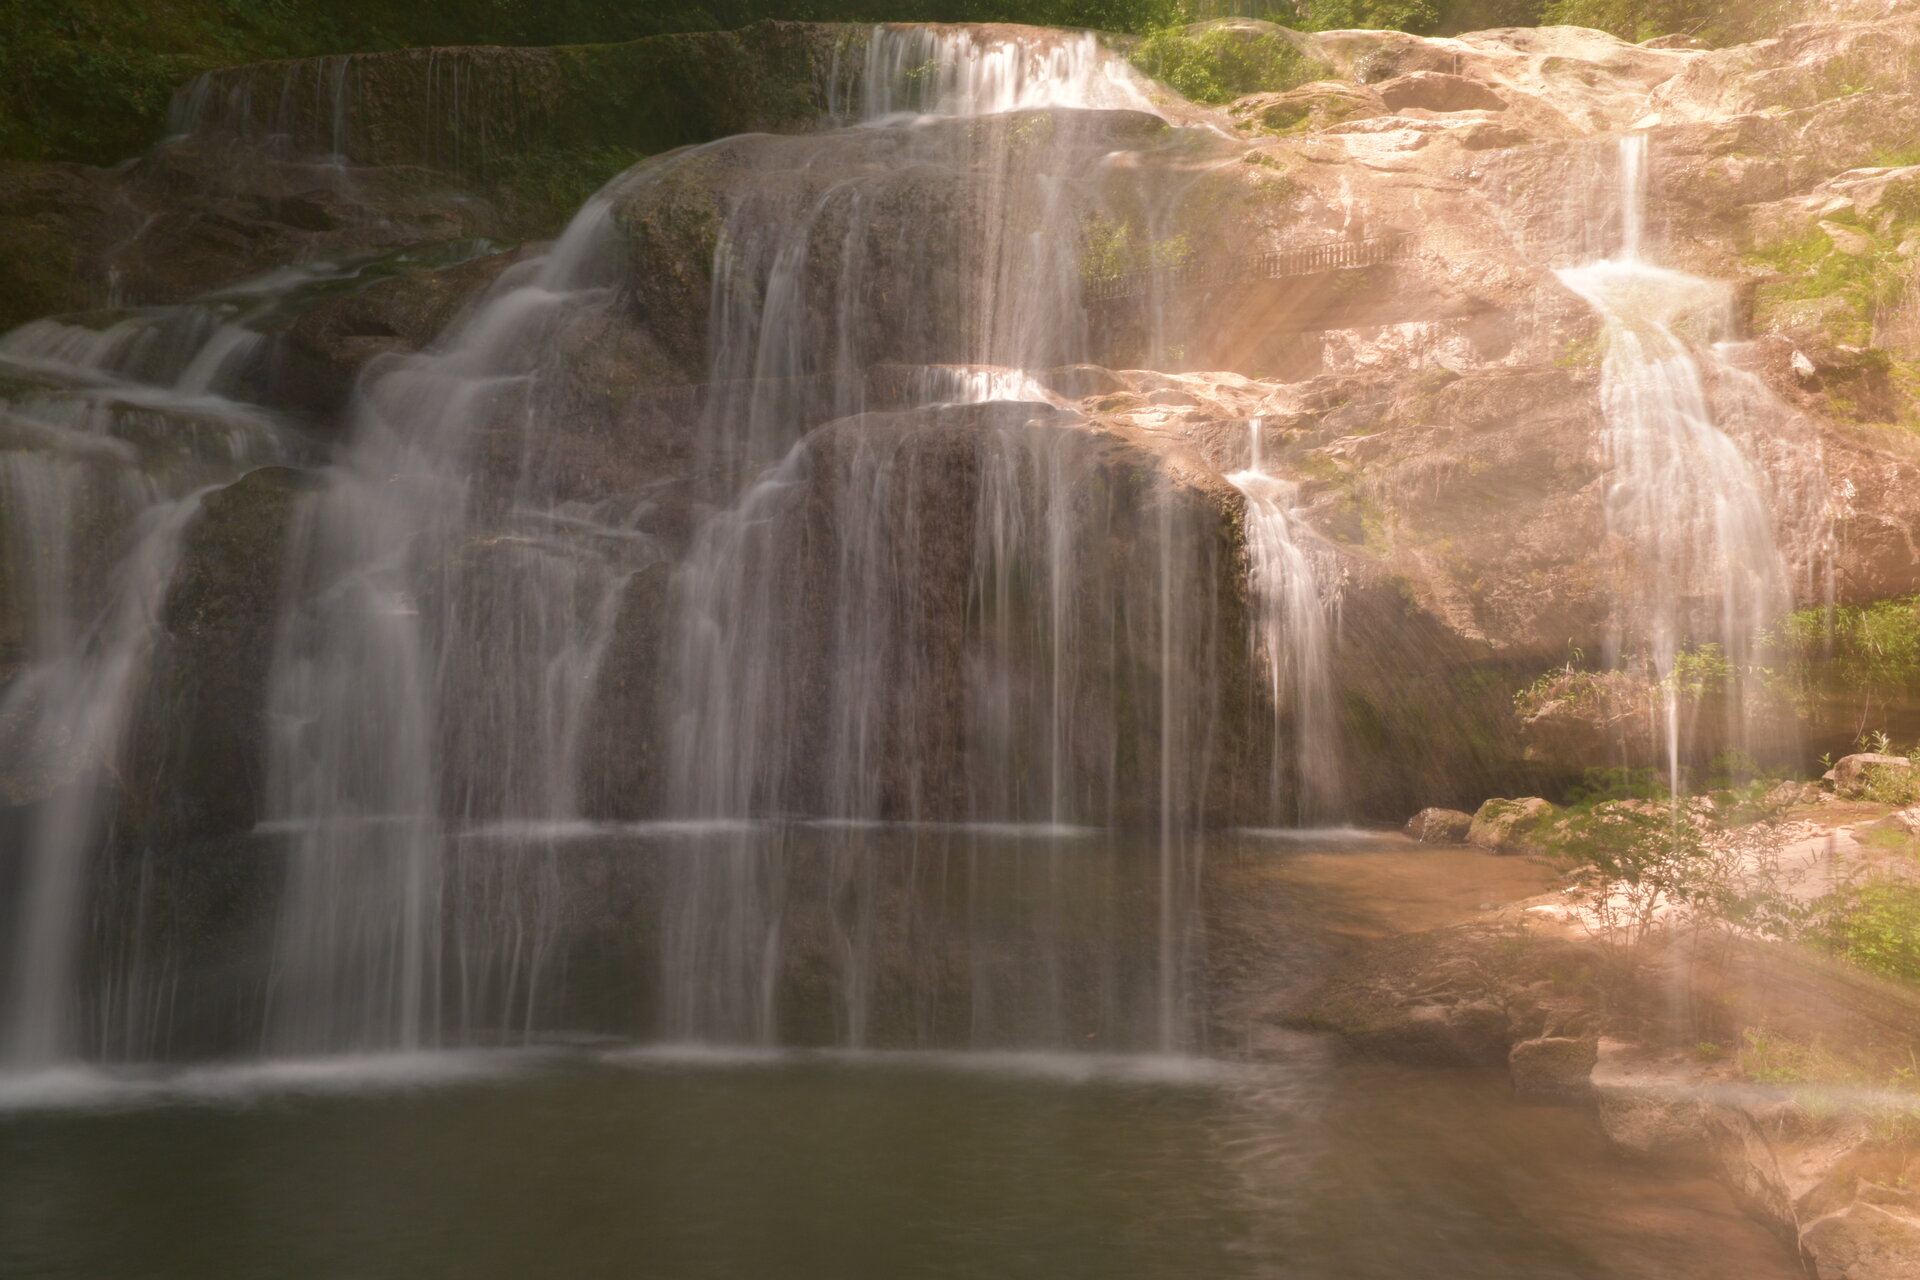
(837, 1167)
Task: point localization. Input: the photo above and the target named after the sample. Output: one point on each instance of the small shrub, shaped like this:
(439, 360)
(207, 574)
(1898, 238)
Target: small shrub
(1876, 925)
(1222, 63)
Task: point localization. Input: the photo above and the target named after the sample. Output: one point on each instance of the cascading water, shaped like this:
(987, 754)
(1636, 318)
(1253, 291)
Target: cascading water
(907, 670)
(1293, 643)
(109, 429)
(957, 642)
(435, 676)
(1688, 507)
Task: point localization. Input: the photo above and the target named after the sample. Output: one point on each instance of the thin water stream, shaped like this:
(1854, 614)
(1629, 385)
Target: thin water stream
(1699, 568)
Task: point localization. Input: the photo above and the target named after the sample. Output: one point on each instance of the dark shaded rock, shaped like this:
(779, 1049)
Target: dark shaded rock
(623, 750)
(55, 220)
(516, 119)
(1457, 997)
(324, 350)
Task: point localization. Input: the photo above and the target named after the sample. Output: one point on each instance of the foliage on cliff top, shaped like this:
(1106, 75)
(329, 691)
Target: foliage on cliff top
(1221, 63)
(90, 79)
(1718, 22)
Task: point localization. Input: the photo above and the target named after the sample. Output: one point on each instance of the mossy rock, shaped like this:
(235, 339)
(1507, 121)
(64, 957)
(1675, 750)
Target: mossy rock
(1509, 826)
(1308, 108)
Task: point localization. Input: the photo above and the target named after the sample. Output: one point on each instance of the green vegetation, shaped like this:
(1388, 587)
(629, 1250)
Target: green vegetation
(1871, 652)
(1638, 859)
(1813, 266)
(1844, 276)
(1876, 925)
(1111, 248)
(1719, 22)
(1219, 64)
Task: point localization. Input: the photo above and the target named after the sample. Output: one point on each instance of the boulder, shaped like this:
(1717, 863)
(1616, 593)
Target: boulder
(1553, 1066)
(1869, 775)
(1908, 820)
(1647, 1104)
(1437, 91)
(1507, 826)
(1439, 826)
(1307, 108)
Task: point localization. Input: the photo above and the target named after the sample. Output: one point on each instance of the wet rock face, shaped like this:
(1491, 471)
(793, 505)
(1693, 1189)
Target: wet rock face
(913, 652)
(1439, 409)
(1439, 826)
(198, 749)
(1826, 1183)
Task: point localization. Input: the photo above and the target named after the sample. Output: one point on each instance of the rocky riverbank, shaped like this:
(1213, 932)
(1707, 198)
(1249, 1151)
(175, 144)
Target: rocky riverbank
(1785, 1072)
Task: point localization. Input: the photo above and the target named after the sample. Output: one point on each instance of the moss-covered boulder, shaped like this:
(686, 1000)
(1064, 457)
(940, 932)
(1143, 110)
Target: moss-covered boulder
(1509, 826)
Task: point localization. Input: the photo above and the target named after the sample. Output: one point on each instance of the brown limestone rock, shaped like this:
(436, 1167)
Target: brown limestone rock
(1553, 1066)
(1439, 826)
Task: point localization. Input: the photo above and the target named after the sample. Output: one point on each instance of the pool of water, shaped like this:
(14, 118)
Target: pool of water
(706, 1165)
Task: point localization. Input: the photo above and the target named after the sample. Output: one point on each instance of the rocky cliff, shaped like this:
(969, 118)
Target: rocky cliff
(1368, 268)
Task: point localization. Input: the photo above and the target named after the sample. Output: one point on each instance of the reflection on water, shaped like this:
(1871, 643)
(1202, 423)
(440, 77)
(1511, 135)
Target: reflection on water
(839, 1165)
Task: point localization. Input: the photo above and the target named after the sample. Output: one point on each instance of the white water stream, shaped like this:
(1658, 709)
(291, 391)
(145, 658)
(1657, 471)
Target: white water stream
(109, 429)
(1293, 644)
(1699, 564)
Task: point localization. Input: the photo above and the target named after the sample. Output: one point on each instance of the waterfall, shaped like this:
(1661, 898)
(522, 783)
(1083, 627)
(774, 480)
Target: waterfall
(1293, 647)
(925, 616)
(110, 428)
(1686, 504)
(959, 71)
(453, 606)
(923, 628)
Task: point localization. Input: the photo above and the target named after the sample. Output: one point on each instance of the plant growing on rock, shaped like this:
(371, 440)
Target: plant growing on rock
(1643, 864)
(1221, 63)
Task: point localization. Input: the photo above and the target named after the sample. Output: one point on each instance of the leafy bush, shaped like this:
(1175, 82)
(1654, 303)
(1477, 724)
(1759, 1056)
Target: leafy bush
(1872, 651)
(1715, 21)
(1222, 63)
(1876, 925)
(1890, 784)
